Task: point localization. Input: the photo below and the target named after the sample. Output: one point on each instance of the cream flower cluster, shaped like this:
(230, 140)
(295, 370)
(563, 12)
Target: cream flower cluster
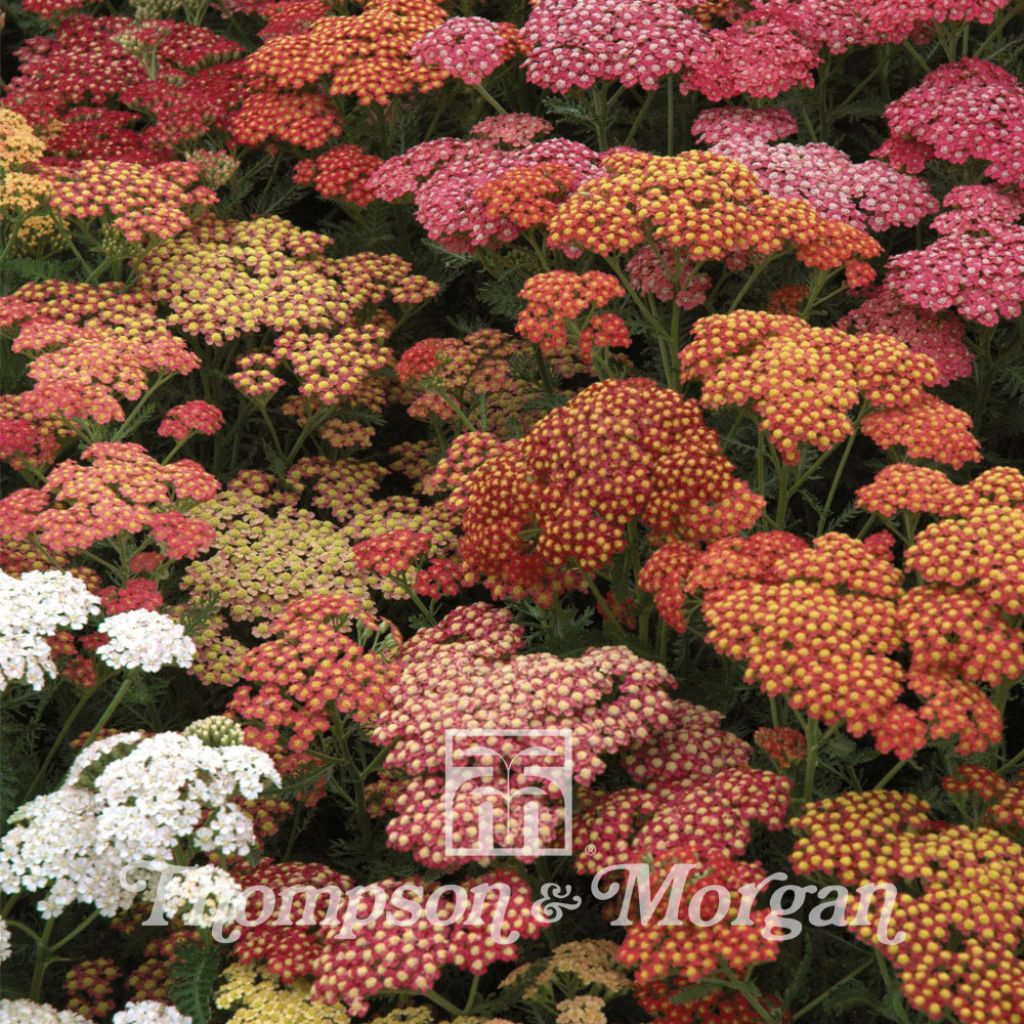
(128, 799)
(33, 607)
(145, 639)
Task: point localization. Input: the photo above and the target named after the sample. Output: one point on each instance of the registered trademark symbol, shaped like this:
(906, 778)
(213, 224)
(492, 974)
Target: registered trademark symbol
(590, 849)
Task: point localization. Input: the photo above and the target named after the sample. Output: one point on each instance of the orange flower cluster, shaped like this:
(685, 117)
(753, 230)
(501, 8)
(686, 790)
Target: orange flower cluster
(528, 195)
(902, 487)
(704, 205)
(340, 173)
(306, 120)
(85, 372)
(141, 202)
(554, 301)
(312, 664)
(821, 624)
(721, 1007)
(22, 190)
(803, 382)
(117, 487)
(556, 503)
(365, 55)
(959, 901)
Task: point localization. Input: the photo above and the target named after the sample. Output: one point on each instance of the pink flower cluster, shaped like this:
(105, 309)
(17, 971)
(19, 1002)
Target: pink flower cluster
(977, 265)
(445, 176)
(869, 195)
(972, 109)
(469, 49)
(576, 43)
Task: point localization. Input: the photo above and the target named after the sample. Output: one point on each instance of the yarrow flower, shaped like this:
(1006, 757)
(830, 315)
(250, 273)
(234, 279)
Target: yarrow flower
(939, 335)
(375, 956)
(556, 300)
(144, 639)
(576, 43)
(340, 173)
(970, 109)
(461, 186)
(309, 667)
(555, 503)
(117, 487)
(252, 996)
(33, 607)
(129, 798)
(701, 206)
(467, 672)
(196, 416)
(298, 119)
(365, 55)
(961, 962)
(203, 897)
(724, 124)
(976, 267)
(804, 382)
(470, 49)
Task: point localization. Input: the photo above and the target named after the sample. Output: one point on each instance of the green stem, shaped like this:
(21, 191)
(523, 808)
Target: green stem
(122, 691)
(74, 933)
(42, 961)
(889, 775)
(490, 99)
(818, 1000)
(823, 518)
(58, 743)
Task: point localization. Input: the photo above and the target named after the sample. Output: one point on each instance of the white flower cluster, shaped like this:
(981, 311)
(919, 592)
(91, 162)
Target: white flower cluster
(33, 607)
(203, 897)
(148, 795)
(145, 639)
(150, 1012)
(24, 1011)
(5, 940)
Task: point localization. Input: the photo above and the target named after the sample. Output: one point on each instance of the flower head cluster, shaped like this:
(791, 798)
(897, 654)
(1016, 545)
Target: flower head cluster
(958, 904)
(702, 206)
(870, 196)
(365, 55)
(265, 557)
(557, 502)
(939, 335)
(129, 798)
(469, 49)
(191, 417)
(85, 372)
(310, 667)
(141, 202)
(905, 488)
(375, 956)
(117, 487)
(144, 639)
(467, 673)
(726, 124)
(753, 57)
(340, 173)
(90, 987)
(576, 43)
(468, 192)
(972, 109)
(589, 964)
(976, 267)
(786, 747)
(33, 607)
(306, 120)
(561, 301)
(804, 382)
(251, 995)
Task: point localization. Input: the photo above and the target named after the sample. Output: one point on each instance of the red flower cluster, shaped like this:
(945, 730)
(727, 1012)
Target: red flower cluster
(191, 417)
(554, 302)
(340, 173)
(555, 503)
